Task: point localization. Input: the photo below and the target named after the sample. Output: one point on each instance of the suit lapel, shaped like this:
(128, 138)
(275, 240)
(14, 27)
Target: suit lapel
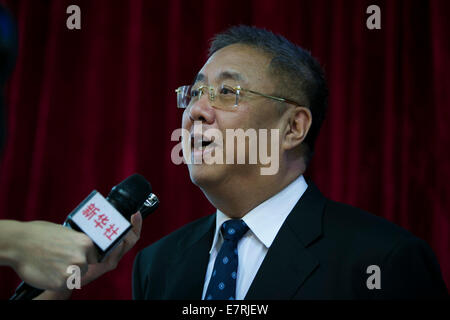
(288, 262)
(186, 275)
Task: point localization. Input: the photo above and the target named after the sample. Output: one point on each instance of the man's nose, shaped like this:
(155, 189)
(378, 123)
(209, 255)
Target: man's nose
(202, 110)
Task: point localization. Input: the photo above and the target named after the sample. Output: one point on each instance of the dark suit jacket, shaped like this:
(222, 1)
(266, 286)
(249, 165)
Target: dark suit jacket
(322, 251)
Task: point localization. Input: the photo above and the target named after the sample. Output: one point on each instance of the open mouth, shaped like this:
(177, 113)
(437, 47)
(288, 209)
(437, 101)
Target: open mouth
(201, 142)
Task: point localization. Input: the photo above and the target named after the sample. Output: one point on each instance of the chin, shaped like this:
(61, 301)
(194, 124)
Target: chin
(204, 175)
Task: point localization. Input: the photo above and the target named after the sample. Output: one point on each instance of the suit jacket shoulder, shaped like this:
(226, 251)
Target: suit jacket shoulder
(354, 245)
(329, 250)
(360, 231)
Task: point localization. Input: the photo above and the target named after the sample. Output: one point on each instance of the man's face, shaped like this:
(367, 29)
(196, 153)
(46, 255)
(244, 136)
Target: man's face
(232, 66)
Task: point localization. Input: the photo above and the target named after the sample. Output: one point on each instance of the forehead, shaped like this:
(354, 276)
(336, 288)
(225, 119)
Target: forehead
(241, 63)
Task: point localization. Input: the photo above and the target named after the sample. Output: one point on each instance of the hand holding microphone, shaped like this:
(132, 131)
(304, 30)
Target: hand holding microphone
(96, 270)
(107, 223)
(41, 251)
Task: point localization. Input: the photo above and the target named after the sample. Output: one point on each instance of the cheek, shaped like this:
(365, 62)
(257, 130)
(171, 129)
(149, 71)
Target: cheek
(186, 122)
(266, 117)
(239, 119)
(255, 119)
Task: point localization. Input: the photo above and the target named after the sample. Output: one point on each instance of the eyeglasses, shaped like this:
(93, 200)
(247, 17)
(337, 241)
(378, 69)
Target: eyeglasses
(224, 96)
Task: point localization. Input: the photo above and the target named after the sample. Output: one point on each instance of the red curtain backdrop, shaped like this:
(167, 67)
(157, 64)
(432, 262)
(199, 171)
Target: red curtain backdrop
(89, 107)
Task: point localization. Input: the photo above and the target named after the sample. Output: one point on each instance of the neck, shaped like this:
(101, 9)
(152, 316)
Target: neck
(237, 196)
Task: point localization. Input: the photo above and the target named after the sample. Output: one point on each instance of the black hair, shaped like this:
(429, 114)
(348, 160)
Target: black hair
(300, 76)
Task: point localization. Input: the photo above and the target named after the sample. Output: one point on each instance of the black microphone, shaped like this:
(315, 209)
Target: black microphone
(105, 221)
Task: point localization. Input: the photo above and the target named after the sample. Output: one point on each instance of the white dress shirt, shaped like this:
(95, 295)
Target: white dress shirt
(264, 222)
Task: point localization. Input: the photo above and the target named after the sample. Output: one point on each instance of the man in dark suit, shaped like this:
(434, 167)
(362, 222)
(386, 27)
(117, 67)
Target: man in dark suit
(274, 236)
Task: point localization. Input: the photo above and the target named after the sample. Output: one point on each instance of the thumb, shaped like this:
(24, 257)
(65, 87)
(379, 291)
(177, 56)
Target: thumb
(136, 222)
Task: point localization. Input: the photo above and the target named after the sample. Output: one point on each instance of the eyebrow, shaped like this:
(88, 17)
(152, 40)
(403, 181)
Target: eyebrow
(225, 75)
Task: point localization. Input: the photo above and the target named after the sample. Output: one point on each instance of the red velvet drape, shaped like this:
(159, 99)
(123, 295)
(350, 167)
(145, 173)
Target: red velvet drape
(89, 107)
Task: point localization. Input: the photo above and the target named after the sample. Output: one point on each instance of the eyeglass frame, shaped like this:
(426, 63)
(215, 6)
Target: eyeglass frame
(237, 89)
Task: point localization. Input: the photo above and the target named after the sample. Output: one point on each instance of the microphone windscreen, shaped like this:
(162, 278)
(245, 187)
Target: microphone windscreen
(129, 195)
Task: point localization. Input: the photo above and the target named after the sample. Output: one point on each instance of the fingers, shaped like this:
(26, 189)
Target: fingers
(112, 260)
(130, 239)
(88, 247)
(136, 222)
(84, 267)
(92, 255)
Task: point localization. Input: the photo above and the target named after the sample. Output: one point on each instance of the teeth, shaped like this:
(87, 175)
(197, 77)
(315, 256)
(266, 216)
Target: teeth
(202, 147)
(201, 142)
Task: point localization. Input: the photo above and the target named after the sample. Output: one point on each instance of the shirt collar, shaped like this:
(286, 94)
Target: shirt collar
(266, 219)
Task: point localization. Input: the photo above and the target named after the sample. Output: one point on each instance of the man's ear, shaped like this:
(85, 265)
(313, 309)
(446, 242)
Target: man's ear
(299, 122)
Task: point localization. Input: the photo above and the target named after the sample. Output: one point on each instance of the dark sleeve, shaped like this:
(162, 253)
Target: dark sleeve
(137, 283)
(411, 271)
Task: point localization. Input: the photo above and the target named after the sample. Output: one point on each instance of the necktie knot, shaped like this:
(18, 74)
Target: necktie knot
(234, 229)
